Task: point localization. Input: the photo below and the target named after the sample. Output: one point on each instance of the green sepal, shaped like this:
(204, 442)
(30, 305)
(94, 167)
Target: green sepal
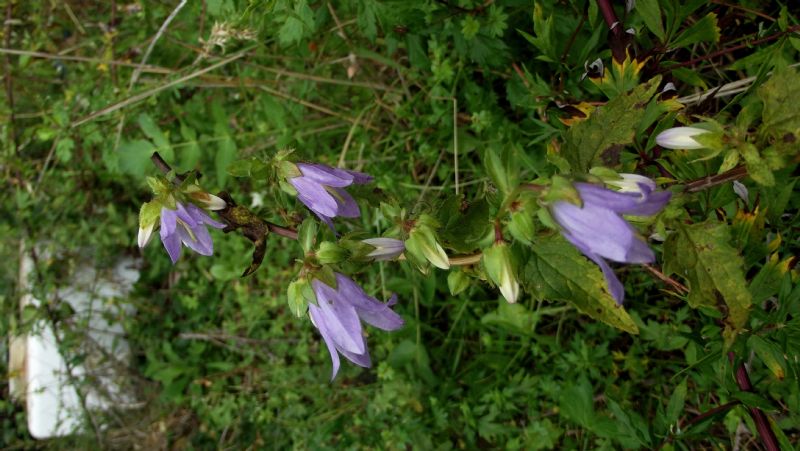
(330, 252)
(149, 213)
(307, 234)
(300, 294)
(457, 281)
(326, 275)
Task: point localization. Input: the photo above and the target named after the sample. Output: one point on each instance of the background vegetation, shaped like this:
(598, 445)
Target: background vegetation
(415, 93)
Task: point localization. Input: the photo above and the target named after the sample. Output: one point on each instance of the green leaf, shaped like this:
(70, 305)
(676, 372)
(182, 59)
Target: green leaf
(152, 131)
(296, 24)
(676, 403)
(757, 167)
(770, 354)
(702, 254)
(704, 30)
(612, 125)
(503, 168)
(64, 149)
(651, 14)
(134, 156)
(781, 94)
(557, 271)
(226, 153)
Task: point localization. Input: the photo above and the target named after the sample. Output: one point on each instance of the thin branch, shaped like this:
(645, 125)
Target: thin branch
(143, 95)
(84, 59)
(12, 130)
(710, 181)
(138, 71)
(727, 50)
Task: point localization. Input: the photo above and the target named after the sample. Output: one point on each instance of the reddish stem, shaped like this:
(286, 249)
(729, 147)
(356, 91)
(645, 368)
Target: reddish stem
(763, 427)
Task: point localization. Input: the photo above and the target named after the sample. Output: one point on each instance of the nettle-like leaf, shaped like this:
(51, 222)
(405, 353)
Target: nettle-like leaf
(557, 271)
(702, 254)
(589, 142)
(781, 94)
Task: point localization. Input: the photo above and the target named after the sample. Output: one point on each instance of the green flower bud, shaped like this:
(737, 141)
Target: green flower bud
(499, 267)
(329, 252)
(300, 294)
(423, 245)
(457, 281)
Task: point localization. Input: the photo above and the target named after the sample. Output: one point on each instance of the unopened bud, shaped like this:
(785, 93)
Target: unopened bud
(680, 138)
(385, 248)
(422, 243)
(498, 265)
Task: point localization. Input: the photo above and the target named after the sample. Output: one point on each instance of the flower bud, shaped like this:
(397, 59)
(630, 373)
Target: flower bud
(385, 248)
(300, 294)
(145, 233)
(329, 252)
(680, 138)
(423, 245)
(633, 183)
(498, 265)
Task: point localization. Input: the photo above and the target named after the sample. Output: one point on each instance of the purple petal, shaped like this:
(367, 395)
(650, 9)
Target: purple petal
(614, 285)
(168, 221)
(360, 177)
(201, 217)
(359, 359)
(347, 206)
(368, 308)
(326, 175)
(198, 240)
(641, 204)
(314, 196)
(341, 318)
(318, 319)
(602, 231)
(172, 243)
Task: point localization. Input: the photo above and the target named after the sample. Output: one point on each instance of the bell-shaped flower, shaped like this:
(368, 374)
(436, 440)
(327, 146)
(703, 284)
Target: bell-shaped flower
(187, 225)
(321, 189)
(680, 138)
(598, 230)
(385, 248)
(338, 315)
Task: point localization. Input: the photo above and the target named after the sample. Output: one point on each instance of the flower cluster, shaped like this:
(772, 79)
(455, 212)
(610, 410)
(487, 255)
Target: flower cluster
(598, 230)
(338, 315)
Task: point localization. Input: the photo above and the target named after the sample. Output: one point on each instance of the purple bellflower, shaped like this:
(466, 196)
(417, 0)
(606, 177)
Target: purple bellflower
(187, 225)
(321, 189)
(598, 230)
(338, 316)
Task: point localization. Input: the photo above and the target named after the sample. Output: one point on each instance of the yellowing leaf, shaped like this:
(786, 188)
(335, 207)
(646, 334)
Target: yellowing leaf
(557, 271)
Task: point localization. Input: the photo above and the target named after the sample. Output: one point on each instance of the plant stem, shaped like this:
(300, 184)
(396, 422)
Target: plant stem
(763, 427)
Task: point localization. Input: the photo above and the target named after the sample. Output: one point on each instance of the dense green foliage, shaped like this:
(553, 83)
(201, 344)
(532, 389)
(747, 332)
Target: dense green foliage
(450, 105)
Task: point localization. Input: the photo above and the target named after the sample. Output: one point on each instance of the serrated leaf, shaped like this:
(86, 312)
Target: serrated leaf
(557, 271)
(704, 30)
(611, 125)
(781, 94)
(702, 254)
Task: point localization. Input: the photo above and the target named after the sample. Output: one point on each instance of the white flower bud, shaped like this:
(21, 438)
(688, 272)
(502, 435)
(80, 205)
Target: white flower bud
(145, 234)
(680, 138)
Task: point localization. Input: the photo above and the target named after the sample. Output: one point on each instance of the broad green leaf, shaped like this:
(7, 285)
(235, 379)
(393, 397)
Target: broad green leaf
(557, 271)
(134, 156)
(702, 254)
(152, 131)
(589, 142)
(781, 95)
(756, 166)
(502, 166)
(651, 14)
(768, 280)
(704, 30)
